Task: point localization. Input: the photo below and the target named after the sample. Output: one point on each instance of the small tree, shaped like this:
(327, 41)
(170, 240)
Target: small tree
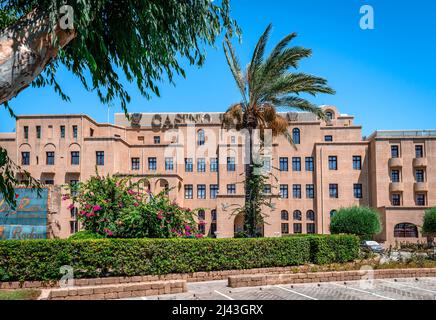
(429, 225)
(361, 221)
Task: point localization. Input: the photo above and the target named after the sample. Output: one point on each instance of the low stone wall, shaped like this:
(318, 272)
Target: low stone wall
(118, 291)
(316, 277)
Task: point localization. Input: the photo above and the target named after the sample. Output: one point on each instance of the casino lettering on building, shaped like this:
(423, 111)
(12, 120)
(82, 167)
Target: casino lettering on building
(202, 165)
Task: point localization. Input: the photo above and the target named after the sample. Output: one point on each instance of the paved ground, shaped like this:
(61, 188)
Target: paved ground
(389, 289)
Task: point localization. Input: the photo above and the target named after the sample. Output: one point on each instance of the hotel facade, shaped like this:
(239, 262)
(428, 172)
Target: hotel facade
(202, 166)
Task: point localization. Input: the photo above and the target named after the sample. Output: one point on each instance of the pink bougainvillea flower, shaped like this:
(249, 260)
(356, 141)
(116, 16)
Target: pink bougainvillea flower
(202, 222)
(187, 228)
(136, 204)
(71, 206)
(96, 208)
(90, 215)
(64, 198)
(108, 232)
(188, 234)
(82, 213)
(88, 206)
(199, 236)
(159, 216)
(131, 192)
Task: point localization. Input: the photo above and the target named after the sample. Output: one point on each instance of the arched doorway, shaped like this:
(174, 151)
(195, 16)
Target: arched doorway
(239, 226)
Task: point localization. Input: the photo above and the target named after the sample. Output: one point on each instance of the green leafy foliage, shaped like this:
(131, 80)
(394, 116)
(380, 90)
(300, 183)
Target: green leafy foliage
(429, 225)
(42, 259)
(361, 221)
(85, 235)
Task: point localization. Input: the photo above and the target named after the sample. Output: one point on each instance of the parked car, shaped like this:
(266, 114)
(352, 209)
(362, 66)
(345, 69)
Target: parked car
(373, 246)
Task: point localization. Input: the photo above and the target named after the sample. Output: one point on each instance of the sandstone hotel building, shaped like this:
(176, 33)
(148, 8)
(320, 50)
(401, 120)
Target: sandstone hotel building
(331, 166)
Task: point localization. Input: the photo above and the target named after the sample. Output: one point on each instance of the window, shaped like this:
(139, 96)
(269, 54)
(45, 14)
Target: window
(231, 166)
(100, 158)
(169, 164)
(329, 115)
(285, 228)
(62, 129)
(333, 213)
(333, 163)
(75, 158)
(358, 191)
(73, 213)
(309, 163)
(266, 164)
(296, 136)
(135, 164)
(298, 228)
(201, 191)
(214, 165)
(201, 165)
(395, 153)
(420, 199)
(50, 158)
(284, 191)
(156, 139)
(152, 164)
(310, 228)
(283, 164)
(26, 132)
(419, 175)
(284, 215)
(201, 215)
(296, 191)
(213, 215)
(296, 164)
(297, 215)
(419, 151)
(396, 199)
(328, 138)
(91, 132)
(357, 163)
(395, 175)
(75, 132)
(38, 132)
(213, 191)
(310, 215)
(25, 158)
(74, 184)
(189, 191)
(74, 227)
(267, 189)
(189, 167)
(213, 229)
(333, 191)
(231, 189)
(201, 139)
(49, 182)
(310, 191)
(202, 228)
(405, 230)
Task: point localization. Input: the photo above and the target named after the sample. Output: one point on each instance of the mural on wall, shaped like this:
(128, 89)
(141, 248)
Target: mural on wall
(28, 220)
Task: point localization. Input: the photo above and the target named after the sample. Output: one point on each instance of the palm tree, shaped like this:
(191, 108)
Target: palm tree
(266, 86)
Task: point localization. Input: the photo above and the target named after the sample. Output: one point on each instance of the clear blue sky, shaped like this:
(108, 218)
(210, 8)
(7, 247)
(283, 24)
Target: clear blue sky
(385, 77)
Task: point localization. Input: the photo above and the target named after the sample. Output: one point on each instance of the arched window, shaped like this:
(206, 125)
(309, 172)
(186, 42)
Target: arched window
(201, 215)
(329, 115)
(405, 230)
(201, 137)
(310, 215)
(296, 136)
(332, 213)
(297, 215)
(285, 215)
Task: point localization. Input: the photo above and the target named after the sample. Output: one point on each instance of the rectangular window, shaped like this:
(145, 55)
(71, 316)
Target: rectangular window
(156, 139)
(328, 138)
(75, 132)
(213, 215)
(38, 132)
(284, 194)
(25, 158)
(189, 191)
(74, 227)
(152, 164)
(285, 228)
(358, 194)
(395, 175)
(266, 164)
(169, 164)
(357, 163)
(420, 199)
(201, 165)
(201, 191)
(213, 191)
(296, 164)
(395, 153)
(298, 228)
(420, 176)
(49, 182)
(310, 228)
(296, 191)
(202, 228)
(267, 189)
(75, 158)
(333, 191)
(135, 164)
(26, 132)
(231, 164)
(283, 164)
(62, 129)
(309, 164)
(100, 158)
(333, 163)
(189, 167)
(231, 189)
(419, 151)
(50, 158)
(310, 191)
(214, 165)
(396, 199)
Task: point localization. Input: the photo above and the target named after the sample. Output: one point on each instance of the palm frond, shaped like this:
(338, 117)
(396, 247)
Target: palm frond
(235, 68)
(299, 104)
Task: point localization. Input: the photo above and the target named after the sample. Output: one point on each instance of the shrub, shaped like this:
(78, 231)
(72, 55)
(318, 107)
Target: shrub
(42, 259)
(361, 221)
(84, 235)
(429, 225)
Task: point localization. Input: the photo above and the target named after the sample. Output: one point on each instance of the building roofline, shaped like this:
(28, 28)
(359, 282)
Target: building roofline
(403, 134)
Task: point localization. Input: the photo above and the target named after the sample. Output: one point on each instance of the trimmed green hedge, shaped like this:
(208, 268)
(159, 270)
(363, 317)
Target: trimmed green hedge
(42, 259)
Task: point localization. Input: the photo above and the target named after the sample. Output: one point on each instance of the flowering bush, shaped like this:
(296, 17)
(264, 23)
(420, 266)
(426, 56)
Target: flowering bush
(120, 208)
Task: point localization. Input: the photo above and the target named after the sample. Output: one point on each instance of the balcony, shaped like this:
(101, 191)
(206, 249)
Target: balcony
(396, 187)
(421, 187)
(395, 162)
(419, 162)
